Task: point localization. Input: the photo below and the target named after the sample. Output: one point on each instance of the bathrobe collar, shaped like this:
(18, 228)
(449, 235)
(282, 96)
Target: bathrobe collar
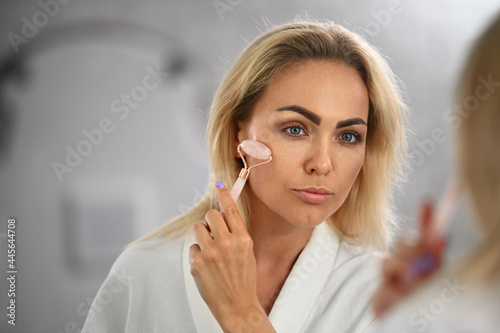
(298, 295)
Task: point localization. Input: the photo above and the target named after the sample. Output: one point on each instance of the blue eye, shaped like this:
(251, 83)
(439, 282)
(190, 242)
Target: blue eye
(294, 130)
(347, 137)
(350, 137)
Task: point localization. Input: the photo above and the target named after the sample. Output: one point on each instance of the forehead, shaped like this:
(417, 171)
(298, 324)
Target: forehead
(329, 89)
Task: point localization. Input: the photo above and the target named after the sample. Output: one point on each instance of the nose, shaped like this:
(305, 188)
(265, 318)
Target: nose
(320, 159)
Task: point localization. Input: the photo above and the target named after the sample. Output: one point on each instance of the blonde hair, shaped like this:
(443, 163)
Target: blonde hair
(366, 215)
(478, 147)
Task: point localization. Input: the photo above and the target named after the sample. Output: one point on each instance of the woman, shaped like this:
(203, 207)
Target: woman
(308, 226)
(464, 297)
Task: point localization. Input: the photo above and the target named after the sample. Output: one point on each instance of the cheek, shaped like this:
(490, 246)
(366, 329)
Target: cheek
(265, 183)
(273, 175)
(267, 173)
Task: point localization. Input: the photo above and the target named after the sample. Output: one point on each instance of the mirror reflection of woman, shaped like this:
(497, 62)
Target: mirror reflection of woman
(462, 296)
(300, 250)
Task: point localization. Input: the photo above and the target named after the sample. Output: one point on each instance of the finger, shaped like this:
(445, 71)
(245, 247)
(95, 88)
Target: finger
(417, 259)
(229, 210)
(439, 246)
(407, 250)
(426, 220)
(396, 273)
(216, 223)
(201, 235)
(422, 266)
(194, 253)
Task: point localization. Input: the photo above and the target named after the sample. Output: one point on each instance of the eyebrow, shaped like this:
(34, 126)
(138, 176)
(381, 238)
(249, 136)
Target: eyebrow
(350, 122)
(303, 111)
(317, 119)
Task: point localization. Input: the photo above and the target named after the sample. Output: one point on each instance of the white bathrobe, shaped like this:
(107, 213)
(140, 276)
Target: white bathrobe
(150, 289)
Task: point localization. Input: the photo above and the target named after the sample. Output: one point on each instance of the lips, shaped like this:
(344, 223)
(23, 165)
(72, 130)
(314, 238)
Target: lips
(314, 194)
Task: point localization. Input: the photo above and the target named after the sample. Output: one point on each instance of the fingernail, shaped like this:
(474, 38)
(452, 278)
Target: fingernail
(422, 265)
(219, 184)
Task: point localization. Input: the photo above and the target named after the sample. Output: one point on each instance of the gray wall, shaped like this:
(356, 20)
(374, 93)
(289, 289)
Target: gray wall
(149, 161)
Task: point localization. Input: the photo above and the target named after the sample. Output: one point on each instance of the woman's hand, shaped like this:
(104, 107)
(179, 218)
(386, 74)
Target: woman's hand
(411, 263)
(224, 268)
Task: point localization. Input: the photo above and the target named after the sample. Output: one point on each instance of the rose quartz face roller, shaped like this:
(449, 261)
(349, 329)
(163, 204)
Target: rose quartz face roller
(255, 149)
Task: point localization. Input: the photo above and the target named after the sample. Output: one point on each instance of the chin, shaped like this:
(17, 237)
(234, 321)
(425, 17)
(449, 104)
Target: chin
(308, 221)
(311, 214)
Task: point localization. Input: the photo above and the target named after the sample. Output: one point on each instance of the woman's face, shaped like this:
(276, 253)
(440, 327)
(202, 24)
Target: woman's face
(313, 117)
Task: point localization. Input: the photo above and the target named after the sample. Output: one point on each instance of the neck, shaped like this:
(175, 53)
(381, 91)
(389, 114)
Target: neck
(277, 245)
(276, 241)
